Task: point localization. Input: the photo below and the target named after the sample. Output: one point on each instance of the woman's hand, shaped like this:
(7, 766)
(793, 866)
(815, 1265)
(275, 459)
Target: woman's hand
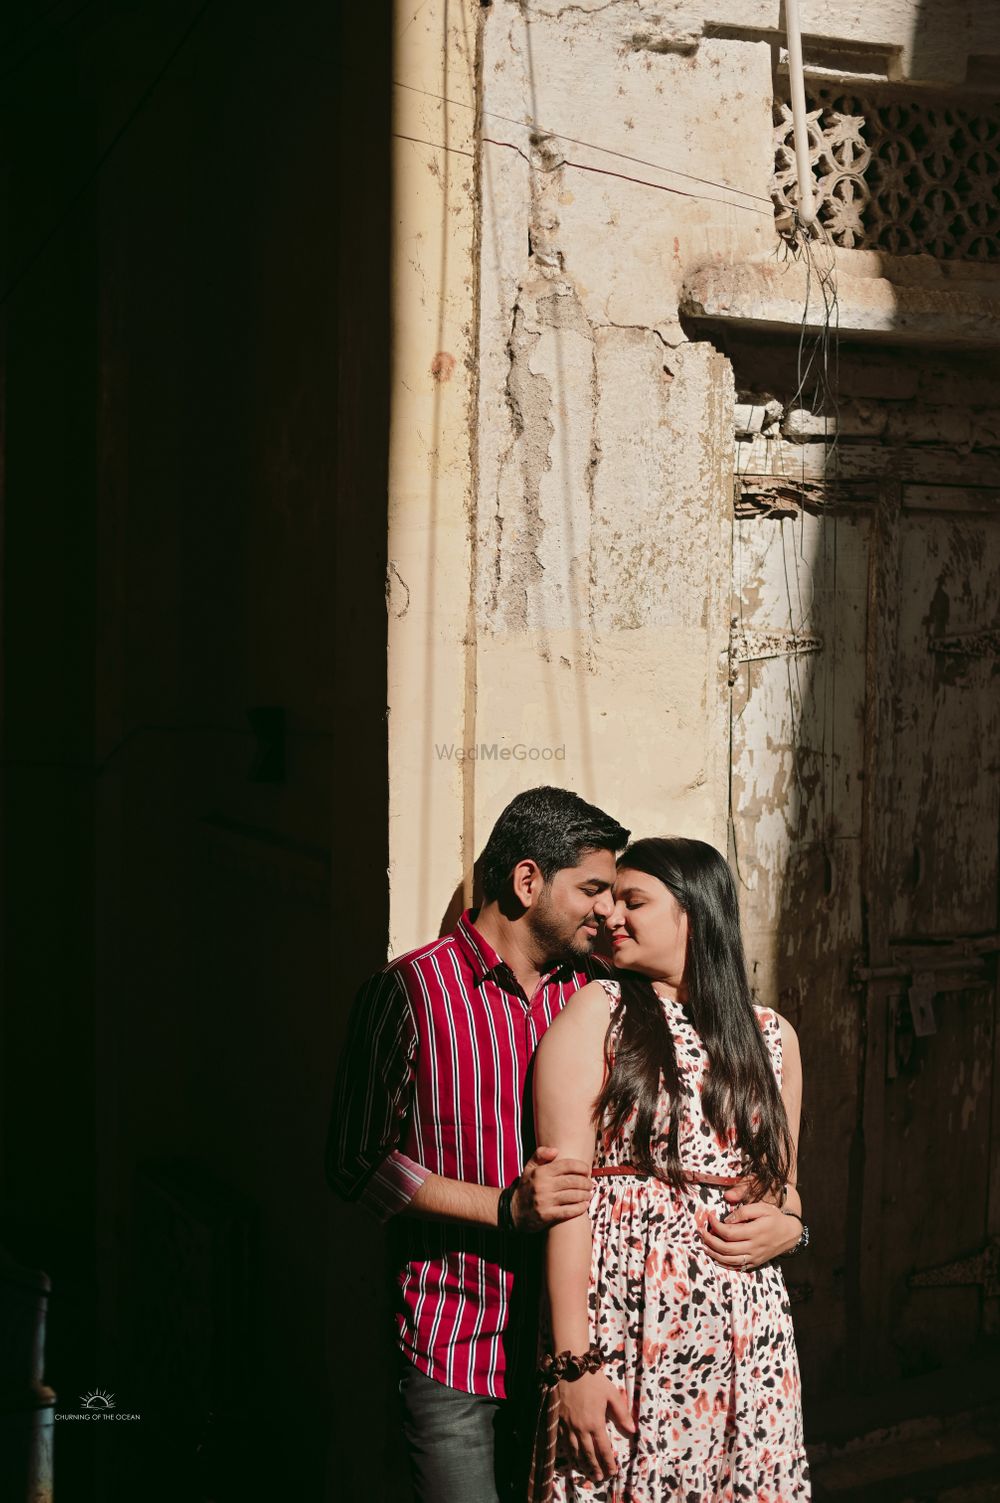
(585, 1407)
(750, 1235)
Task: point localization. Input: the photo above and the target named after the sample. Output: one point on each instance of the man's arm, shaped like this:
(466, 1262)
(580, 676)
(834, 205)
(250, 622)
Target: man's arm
(441, 1199)
(371, 1104)
(550, 1190)
(372, 1101)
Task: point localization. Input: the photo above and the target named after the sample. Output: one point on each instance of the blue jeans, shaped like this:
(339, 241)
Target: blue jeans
(462, 1449)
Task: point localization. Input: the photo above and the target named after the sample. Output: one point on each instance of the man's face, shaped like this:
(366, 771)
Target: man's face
(572, 907)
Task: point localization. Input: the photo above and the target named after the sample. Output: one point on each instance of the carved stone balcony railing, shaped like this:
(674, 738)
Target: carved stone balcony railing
(902, 172)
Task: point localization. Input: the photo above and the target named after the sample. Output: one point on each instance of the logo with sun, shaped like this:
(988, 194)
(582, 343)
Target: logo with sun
(97, 1400)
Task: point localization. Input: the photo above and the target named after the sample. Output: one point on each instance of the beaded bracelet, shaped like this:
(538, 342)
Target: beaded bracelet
(803, 1241)
(567, 1368)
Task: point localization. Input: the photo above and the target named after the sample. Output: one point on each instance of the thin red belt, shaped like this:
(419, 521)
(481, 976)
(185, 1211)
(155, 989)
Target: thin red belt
(605, 1171)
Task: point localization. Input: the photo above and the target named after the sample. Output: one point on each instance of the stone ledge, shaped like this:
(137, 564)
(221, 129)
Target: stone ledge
(938, 309)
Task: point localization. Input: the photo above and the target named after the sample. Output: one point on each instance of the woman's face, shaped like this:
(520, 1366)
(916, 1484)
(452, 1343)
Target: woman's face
(648, 928)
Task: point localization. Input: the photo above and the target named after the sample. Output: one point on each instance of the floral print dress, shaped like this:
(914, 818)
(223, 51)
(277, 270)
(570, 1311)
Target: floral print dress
(706, 1353)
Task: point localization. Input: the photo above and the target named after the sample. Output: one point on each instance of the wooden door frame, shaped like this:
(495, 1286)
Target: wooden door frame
(867, 1328)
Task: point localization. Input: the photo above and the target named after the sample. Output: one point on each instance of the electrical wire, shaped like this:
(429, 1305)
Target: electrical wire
(19, 32)
(818, 363)
(592, 146)
(582, 167)
(94, 172)
(44, 41)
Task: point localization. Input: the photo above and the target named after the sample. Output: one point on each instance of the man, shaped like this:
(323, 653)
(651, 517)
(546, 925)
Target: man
(431, 1126)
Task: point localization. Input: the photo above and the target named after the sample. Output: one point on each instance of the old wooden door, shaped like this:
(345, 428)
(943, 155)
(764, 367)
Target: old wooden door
(865, 802)
(929, 1213)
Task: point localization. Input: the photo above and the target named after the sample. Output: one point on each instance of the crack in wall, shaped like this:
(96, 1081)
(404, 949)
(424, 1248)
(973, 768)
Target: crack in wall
(396, 607)
(539, 571)
(668, 344)
(529, 399)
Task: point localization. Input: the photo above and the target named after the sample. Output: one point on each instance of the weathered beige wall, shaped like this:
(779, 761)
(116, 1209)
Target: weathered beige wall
(604, 461)
(430, 474)
(926, 41)
(583, 616)
(562, 448)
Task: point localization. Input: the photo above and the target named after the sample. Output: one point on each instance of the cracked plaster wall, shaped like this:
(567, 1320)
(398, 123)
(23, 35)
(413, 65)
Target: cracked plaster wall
(953, 42)
(560, 490)
(604, 437)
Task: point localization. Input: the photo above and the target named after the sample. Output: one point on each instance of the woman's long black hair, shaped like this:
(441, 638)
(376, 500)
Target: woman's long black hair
(740, 1090)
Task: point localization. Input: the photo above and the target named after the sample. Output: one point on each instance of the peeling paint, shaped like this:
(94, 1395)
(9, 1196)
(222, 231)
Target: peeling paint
(682, 42)
(397, 592)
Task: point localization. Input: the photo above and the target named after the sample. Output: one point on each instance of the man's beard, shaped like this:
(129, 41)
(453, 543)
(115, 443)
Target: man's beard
(559, 938)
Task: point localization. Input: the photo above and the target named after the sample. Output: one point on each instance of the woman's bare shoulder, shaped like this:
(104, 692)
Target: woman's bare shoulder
(790, 1053)
(788, 1034)
(583, 1019)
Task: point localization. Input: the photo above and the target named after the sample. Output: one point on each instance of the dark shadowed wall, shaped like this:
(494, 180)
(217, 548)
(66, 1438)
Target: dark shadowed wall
(195, 355)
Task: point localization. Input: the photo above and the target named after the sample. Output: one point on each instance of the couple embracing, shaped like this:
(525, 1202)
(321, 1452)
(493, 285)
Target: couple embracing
(589, 1172)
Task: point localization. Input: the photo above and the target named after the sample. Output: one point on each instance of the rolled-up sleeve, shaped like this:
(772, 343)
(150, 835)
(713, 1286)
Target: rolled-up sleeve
(371, 1102)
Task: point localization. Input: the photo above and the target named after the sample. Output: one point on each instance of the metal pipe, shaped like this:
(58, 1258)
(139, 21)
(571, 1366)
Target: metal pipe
(806, 206)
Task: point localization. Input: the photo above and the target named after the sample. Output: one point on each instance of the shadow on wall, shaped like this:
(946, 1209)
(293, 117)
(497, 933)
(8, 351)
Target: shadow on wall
(195, 372)
(864, 820)
(864, 809)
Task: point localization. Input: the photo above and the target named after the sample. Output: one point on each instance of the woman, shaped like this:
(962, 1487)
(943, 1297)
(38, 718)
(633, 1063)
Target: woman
(678, 1378)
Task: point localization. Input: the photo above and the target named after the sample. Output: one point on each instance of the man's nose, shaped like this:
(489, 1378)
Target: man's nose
(604, 905)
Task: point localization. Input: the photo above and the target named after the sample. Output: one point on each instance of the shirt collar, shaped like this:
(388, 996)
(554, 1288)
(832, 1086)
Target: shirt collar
(486, 963)
(477, 950)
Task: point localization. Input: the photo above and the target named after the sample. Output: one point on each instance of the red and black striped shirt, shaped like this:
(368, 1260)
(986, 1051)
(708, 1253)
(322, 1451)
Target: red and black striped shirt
(435, 1079)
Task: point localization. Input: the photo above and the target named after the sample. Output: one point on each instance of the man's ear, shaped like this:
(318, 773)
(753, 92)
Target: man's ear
(527, 882)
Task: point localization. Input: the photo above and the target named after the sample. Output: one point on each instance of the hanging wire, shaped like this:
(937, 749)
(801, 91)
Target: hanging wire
(94, 172)
(594, 146)
(818, 391)
(44, 41)
(18, 32)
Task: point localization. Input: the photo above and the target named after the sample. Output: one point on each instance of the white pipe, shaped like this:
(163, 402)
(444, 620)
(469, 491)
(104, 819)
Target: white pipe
(806, 205)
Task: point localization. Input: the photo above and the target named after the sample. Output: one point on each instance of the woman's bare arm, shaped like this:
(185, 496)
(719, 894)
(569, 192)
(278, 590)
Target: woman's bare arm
(569, 1072)
(791, 1095)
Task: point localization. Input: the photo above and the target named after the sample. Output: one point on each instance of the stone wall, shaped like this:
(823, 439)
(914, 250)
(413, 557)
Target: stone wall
(569, 177)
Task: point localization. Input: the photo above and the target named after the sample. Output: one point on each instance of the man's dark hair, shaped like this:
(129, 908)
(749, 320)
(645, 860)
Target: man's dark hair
(549, 826)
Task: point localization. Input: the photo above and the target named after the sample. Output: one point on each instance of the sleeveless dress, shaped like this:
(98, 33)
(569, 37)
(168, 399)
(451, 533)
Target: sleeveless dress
(706, 1353)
